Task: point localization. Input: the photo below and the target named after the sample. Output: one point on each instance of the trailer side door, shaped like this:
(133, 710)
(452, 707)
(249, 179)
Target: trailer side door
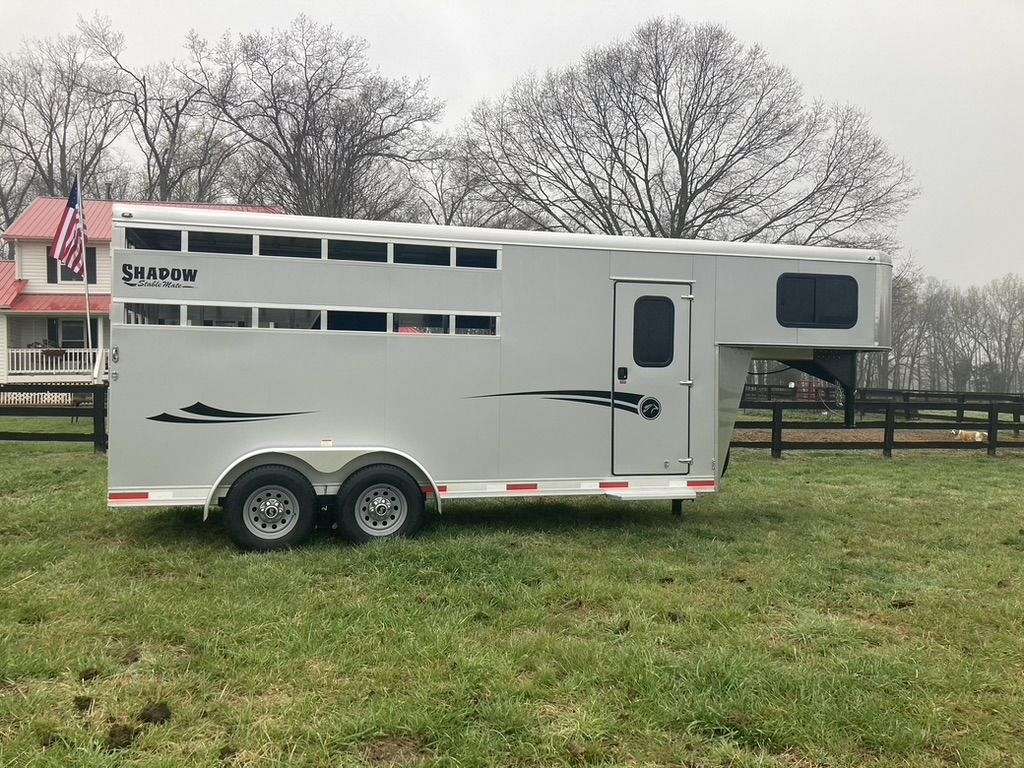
(651, 379)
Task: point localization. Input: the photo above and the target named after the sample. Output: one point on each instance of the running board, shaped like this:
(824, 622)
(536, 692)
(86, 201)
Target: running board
(652, 493)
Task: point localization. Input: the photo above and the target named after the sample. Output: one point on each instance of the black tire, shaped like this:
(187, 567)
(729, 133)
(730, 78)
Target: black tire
(284, 522)
(407, 505)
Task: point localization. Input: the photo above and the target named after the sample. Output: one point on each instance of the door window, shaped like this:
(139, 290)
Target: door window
(653, 331)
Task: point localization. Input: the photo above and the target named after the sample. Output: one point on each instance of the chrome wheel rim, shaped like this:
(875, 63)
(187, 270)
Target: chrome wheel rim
(270, 512)
(381, 509)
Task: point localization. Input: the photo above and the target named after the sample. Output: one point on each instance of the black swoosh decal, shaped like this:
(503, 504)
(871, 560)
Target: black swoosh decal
(202, 409)
(627, 397)
(210, 415)
(172, 419)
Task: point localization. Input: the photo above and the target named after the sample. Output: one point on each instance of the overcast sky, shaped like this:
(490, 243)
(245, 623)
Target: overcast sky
(943, 80)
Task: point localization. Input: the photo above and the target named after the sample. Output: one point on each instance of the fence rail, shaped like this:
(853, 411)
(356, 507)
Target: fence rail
(918, 414)
(82, 400)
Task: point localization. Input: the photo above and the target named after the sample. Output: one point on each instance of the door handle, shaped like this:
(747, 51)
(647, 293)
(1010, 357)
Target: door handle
(622, 373)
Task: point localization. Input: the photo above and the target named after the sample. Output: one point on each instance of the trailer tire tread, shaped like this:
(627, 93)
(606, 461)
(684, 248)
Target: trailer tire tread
(267, 474)
(364, 478)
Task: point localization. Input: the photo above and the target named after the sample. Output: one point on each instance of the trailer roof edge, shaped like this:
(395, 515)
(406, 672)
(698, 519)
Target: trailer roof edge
(170, 216)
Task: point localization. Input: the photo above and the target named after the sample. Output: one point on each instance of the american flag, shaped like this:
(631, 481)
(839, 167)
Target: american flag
(69, 240)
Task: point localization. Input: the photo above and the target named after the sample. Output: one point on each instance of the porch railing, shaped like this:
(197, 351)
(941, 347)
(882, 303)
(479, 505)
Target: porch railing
(56, 362)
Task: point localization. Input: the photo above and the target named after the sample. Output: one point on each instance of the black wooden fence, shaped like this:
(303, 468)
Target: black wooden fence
(65, 400)
(891, 411)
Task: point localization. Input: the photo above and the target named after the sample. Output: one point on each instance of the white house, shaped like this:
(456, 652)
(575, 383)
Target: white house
(42, 304)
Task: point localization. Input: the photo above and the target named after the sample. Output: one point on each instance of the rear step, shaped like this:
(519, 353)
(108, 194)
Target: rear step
(653, 493)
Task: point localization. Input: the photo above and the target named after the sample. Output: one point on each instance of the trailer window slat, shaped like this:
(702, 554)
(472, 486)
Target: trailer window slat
(220, 242)
(357, 250)
(476, 325)
(423, 255)
(152, 314)
(415, 324)
(148, 239)
(219, 317)
(301, 319)
(480, 258)
(293, 247)
(344, 320)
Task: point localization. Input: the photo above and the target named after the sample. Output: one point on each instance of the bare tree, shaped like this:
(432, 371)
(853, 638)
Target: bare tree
(452, 190)
(184, 148)
(328, 135)
(17, 178)
(61, 116)
(683, 131)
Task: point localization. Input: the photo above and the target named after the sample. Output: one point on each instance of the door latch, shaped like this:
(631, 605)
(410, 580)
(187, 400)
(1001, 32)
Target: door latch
(622, 374)
(115, 355)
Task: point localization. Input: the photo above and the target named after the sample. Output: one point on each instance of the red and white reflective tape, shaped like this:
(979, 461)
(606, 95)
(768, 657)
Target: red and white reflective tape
(647, 486)
(129, 496)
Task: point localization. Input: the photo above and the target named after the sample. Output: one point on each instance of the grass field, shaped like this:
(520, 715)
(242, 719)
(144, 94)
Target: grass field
(825, 610)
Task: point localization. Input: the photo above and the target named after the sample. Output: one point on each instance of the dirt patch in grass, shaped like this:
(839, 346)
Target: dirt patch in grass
(395, 751)
(154, 714)
(121, 736)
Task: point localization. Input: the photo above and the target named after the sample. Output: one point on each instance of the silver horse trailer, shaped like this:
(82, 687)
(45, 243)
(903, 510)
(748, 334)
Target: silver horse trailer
(278, 366)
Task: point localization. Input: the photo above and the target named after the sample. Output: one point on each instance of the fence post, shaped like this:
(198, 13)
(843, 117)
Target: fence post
(776, 431)
(1016, 422)
(889, 436)
(906, 406)
(960, 411)
(99, 417)
(993, 428)
(849, 404)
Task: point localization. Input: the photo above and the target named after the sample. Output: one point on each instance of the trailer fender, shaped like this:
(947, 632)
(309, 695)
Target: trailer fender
(326, 460)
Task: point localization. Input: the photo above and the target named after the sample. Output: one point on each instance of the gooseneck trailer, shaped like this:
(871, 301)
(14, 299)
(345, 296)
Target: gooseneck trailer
(279, 365)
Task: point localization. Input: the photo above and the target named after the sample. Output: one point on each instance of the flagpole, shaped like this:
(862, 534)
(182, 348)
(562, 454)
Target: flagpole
(85, 266)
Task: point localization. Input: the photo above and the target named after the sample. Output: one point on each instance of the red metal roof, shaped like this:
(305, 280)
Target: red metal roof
(10, 286)
(40, 219)
(59, 304)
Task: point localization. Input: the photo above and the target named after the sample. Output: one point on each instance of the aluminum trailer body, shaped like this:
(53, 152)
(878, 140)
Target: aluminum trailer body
(480, 362)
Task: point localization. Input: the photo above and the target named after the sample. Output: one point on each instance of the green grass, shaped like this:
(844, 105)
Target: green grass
(62, 424)
(832, 610)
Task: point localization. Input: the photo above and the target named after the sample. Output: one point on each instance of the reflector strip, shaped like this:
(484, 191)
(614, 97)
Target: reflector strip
(521, 487)
(614, 484)
(710, 484)
(133, 496)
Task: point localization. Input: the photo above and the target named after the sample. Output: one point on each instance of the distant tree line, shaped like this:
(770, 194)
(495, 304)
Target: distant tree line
(675, 131)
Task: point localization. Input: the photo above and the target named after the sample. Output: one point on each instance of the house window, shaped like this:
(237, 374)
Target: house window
(416, 324)
(58, 274)
(816, 301)
(144, 238)
(376, 322)
(69, 332)
(482, 258)
(220, 317)
(354, 250)
(152, 314)
(653, 331)
(476, 325)
(295, 247)
(304, 319)
(219, 242)
(424, 255)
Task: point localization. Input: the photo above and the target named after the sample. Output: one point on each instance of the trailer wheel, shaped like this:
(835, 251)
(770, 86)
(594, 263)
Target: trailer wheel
(380, 502)
(270, 507)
